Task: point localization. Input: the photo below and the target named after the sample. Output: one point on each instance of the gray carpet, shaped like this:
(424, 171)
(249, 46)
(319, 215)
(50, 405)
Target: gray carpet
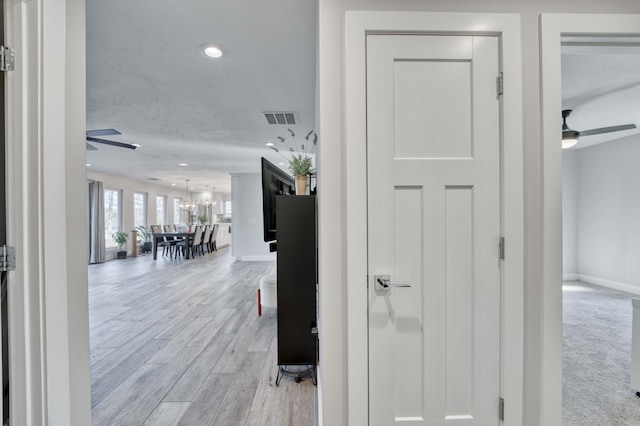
(596, 385)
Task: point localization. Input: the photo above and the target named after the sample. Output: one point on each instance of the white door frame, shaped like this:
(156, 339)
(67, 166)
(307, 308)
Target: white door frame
(46, 178)
(552, 27)
(507, 27)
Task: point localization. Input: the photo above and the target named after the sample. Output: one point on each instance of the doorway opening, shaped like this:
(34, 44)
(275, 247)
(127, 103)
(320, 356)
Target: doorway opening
(554, 29)
(600, 85)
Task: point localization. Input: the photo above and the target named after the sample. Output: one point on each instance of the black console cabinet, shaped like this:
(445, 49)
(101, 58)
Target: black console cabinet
(297, 265)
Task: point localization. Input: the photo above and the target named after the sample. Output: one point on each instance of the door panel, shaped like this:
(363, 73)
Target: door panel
(433, 222)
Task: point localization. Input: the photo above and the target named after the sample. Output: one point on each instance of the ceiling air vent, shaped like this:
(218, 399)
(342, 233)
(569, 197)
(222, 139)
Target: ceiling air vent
(287, 118)
(153, 179)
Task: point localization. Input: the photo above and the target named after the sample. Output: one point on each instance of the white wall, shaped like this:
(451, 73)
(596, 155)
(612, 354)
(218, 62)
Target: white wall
(331, 184)
(608, 219)
(247, 236)
(570, 214)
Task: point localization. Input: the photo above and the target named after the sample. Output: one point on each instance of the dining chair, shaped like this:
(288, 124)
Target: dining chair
(175, 239)
(206, 236)
(166, 245)
(188, 244)
(211, 244)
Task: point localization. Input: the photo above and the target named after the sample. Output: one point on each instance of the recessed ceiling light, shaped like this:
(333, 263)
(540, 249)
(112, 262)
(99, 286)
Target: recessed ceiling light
(136, 145)
(211, 51)
(269, 144)
(88, 165)
(281, 164)
(183, 164)
(173, 184)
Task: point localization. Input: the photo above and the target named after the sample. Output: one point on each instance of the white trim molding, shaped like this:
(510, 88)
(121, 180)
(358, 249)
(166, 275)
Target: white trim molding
(46, 182)
(259, 258)
(629, 288)
(507, 28)
(552, 27)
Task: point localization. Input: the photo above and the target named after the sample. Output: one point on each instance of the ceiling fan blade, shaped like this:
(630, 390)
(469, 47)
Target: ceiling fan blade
(91, 147)
(610, 129)
(112, 143)
(103, 132)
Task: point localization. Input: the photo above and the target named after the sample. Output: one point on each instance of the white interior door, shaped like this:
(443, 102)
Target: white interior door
(433, 148)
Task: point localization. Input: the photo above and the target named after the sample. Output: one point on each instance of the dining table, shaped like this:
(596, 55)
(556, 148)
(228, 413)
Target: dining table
(170, 236)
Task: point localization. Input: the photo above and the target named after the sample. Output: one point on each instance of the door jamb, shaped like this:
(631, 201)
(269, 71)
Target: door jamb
(552, 27)
(506, 26)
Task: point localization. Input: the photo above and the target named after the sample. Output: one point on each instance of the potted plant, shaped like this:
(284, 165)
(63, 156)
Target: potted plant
(120, 238)
(145, 236)
(203, 219)
(301, 158)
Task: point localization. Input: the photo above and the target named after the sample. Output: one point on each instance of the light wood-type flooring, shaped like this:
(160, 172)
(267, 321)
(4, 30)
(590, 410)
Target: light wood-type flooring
(180, 342)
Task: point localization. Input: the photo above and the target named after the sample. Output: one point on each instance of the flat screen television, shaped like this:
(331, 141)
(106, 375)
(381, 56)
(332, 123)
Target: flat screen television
(275, 181)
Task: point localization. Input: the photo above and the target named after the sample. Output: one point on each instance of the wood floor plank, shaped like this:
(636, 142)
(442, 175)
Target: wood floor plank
(136, 411)
(114, 358)
(187, 387)
(206, 334)
(176, 344)
(268, 418)
(107, 409)
(103, 384)
(204, 407)
(267, 330)
(237, 402)
(160, 328)
(166, 414)
(236, 352)
(98, 353)
(268, 396)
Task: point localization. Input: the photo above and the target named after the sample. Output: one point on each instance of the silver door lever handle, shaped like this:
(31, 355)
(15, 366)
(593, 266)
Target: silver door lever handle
(383, 282)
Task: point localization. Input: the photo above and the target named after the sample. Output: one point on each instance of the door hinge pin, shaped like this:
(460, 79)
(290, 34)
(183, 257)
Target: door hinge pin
(501, 248)
(500, 84)
(7, 258)
(6, 59)
(501, 409)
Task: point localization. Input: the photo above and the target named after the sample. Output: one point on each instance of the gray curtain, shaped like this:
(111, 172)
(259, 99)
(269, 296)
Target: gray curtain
(96, 223)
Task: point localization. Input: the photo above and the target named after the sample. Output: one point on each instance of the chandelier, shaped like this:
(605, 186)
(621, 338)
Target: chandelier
(186, 204)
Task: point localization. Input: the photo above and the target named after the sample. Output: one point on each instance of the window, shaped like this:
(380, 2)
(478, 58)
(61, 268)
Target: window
(139, 209)
(161, 210)
(176, 211)
(227, 208)
(112, 216)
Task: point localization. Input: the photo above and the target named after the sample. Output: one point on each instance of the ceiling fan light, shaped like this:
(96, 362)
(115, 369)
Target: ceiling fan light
(569, 136)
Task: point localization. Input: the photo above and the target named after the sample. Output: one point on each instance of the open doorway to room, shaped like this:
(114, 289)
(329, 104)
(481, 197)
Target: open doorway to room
(601, 227)
(173, 339)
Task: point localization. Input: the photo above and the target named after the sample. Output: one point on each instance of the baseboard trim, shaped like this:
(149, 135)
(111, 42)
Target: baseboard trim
(258, 258)
(569, 277)
(629, 288)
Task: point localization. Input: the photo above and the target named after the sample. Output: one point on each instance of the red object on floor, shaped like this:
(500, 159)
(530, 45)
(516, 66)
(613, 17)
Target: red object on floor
(259, 304)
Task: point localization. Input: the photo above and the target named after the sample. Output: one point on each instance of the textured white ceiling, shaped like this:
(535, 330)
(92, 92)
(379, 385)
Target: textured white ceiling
(147, 78)
(601, 84)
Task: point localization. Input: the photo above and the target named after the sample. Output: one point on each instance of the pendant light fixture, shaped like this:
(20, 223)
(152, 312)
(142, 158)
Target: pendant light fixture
(186, 204)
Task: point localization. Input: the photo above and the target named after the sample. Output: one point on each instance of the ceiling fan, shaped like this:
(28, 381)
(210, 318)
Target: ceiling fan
(570, 136)
(91, 137)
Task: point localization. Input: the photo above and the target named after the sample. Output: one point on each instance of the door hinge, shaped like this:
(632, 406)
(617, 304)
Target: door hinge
(501, 248)
(501, 409)
(6, 59)
(7, 258)
(500, 84)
